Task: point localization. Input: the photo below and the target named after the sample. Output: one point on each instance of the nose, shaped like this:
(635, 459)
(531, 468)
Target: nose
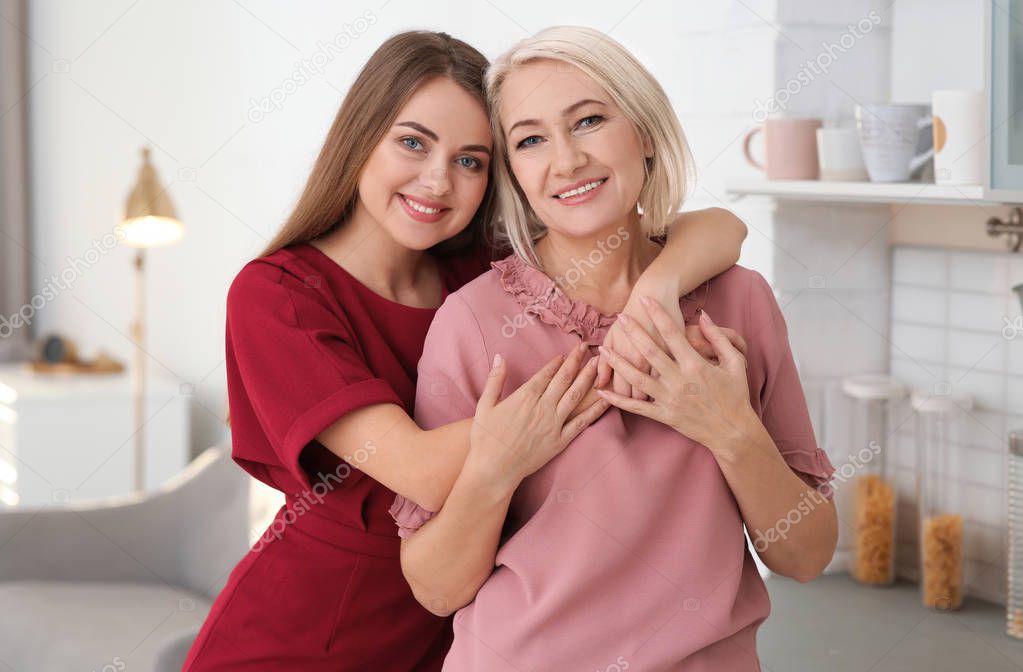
(568, 157)
(436, 180)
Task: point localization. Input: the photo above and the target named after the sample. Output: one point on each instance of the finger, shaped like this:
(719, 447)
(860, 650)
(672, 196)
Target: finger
(580, 386)
(645, 344)
(603, 372)
(695, 337)
(636, 392)
(576, 425)
(618, 384)
(538, 381)
(495, 383)
(647, 409)
(636, 378)
(724, 349)
(670, 331)
(737, 340)
(563, 379)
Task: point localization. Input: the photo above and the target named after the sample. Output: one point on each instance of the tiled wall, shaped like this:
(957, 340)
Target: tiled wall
(953, 328)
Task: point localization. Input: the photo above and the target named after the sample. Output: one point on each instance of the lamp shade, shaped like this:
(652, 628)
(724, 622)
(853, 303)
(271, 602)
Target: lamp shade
(149, 216)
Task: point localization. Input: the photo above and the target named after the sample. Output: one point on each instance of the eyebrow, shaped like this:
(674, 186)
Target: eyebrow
(433, 136)
(565, 112)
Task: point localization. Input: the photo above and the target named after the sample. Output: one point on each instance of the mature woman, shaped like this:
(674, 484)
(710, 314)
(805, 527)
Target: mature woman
(628, 548)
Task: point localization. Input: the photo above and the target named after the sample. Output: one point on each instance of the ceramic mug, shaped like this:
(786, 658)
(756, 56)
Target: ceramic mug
(958, 136)
(790, 148)
(894, 146)
(839, 154)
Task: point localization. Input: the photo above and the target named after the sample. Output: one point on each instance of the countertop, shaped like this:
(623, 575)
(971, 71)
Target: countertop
(833, 624)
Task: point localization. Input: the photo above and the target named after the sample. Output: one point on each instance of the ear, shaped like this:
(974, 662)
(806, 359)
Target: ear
(648, 146)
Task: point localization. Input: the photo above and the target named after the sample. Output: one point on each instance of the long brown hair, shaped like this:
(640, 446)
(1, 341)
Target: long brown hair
(390, 77)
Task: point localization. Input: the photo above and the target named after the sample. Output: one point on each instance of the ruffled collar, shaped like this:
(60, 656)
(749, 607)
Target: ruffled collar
(539, 295)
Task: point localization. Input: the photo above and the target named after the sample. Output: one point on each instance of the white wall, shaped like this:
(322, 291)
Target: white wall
(181, 77)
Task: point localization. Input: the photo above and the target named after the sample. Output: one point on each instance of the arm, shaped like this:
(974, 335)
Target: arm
(447, 559)
(383, 441)
(770, 496)
(421, 465)
(701, 244)
(768, 455)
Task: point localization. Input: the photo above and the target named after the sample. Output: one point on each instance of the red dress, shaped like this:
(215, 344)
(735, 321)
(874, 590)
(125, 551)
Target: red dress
(322, 589)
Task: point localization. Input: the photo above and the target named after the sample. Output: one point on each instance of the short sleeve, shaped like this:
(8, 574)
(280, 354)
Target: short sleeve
(452, 373)
(296, 364)
(782, 403)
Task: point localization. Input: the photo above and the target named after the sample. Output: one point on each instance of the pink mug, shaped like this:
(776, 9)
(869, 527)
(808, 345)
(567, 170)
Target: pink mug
(790, 148)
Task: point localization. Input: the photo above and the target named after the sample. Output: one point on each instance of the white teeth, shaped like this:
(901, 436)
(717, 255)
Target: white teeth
(581, 190)
(419, 208)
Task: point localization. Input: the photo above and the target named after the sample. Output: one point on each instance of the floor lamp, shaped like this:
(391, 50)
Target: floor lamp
(149, 221)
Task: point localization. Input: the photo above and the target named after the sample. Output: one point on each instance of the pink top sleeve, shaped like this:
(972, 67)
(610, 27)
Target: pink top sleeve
(782, 403)
(452, 372)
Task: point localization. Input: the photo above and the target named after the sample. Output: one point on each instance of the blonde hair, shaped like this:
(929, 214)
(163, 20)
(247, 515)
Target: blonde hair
(670, 173)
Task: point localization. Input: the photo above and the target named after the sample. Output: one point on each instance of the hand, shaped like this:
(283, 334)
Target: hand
(708, 403)
(617, 341)
(513, 438)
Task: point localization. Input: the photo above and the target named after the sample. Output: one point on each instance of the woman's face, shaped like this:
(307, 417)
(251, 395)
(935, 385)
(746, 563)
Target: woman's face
(574, 154)
(426, 178)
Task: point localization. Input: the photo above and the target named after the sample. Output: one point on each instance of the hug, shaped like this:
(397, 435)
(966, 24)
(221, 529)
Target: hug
(558, 402)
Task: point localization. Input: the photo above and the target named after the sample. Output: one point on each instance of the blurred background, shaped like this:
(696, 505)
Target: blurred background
(149, 149)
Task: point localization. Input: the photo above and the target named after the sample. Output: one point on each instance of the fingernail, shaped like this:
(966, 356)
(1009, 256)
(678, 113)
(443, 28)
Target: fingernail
(625, 319)
(646, 300)
(604, 351)
(497, 360)
(704, 313)
(582, 346)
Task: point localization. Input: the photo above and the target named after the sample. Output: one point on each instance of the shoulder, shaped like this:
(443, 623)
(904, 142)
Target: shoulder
(743, 286)
(282, 270)
(281, 285)
(474, 302)
(482, 290)
(737, 278)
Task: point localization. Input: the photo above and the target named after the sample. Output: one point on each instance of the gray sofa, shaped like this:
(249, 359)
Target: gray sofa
(121, 584)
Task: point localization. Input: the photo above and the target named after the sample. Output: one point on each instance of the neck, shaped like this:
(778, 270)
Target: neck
(599, 269)
(366, 250)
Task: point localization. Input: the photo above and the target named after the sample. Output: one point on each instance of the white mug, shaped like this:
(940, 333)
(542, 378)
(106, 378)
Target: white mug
(894, 146)
(958, 136)
(839, 155)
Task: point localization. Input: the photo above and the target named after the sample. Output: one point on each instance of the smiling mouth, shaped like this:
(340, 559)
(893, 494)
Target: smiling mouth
(418, 207)
(578, 191)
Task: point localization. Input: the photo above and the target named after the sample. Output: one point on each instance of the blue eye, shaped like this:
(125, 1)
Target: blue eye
(525, 142)
(597, 117)
(411, 143)
(473, 162)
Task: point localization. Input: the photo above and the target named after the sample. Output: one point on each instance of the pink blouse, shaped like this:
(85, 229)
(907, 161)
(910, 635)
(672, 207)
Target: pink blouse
(627, 550)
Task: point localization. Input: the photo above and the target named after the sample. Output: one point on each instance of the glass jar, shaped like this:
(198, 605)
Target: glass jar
(1014, 593)
(874, 398)
(939, 442)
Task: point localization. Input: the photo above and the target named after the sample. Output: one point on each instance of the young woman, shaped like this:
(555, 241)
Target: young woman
(627, 550)
(324, 331)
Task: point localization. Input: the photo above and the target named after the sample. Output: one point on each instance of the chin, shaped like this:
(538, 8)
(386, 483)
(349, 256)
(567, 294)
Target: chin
(417, 239)
(585, 228)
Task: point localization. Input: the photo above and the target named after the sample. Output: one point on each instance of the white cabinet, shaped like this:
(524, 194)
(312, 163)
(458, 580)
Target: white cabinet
(69, 438)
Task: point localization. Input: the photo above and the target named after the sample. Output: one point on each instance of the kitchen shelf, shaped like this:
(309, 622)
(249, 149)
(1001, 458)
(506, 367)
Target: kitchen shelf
(859, 192)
